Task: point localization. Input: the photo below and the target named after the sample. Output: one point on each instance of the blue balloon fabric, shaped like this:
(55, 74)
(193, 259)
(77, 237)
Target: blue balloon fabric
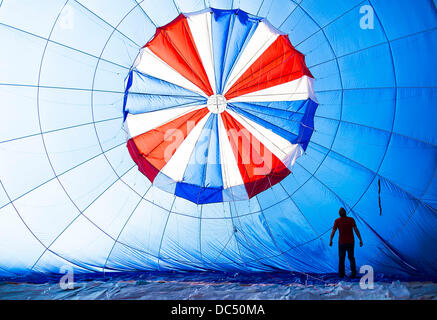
(71, 196)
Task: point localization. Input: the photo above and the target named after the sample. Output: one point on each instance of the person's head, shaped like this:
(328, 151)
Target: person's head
(342, 212)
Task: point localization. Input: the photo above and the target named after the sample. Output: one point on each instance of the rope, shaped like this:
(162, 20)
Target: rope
(379, 197)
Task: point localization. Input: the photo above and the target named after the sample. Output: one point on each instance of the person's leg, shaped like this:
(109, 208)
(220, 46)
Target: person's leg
(341, 258)
(351, 257)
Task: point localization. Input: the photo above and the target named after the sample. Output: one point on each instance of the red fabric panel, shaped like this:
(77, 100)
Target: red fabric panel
(280, 63)
(258, 166)
(158, 145)
(174, 44)
(257, 186)
(144, 166)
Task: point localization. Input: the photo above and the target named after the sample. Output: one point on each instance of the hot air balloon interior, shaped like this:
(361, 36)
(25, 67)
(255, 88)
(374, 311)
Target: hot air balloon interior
(188, 141)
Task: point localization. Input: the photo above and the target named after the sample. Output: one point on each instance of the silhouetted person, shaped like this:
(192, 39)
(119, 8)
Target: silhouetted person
(346, 241)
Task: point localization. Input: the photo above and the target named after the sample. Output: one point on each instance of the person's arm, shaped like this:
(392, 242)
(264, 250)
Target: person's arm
(332, 234)
(358, 234)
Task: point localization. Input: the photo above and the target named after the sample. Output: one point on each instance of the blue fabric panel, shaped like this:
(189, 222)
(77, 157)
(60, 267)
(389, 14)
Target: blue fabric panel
(143, 103)
(129, 82)
(361, 105)
(231, 30)
(186, 6)
(358, 142)
(250, 6)
(325, 131)
(306, 124)
(235, 193)
(330, 12)
(419, 231)
(430, 196)
(241, 30)
(278, 11)
(200, 171)
(145, 93)
(165, 183)
(285, 109)
(316, 49)
(376, 69)
(144, 83)
(409, 170)
(329, 104)
(416, 69)
(161, 12)
(221, 20)
(346, 35)
(299, 26)
(213, 174)
(287, 218)
(422, 16)
(421, 123)
(327, 75)
(337, 173)
(291, 120)
(283, 127)
(276, 193)
(198, 194)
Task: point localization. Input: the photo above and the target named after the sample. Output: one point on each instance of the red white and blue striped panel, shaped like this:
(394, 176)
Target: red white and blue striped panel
(236, 141)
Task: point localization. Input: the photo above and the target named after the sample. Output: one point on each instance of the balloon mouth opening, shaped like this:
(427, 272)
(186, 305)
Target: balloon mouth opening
(216, 103)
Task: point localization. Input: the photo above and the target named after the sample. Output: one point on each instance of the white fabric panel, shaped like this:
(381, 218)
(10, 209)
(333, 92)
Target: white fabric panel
(19, 248)
(175, 167)
(261, 39)
(83, 241)
(111, 210)
(292, 157)
(41, 207)
(148, 63)
(230, 172)
(279, 146)
(300, 89)
(137, 124)
(200, 27)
